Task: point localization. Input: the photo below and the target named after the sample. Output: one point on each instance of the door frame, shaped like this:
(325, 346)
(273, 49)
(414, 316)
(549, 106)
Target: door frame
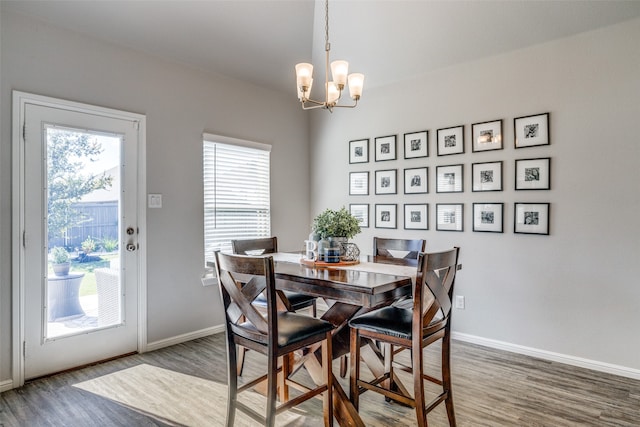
(20, 101)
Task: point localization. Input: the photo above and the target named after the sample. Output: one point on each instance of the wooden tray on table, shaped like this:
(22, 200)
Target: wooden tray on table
(322, 264)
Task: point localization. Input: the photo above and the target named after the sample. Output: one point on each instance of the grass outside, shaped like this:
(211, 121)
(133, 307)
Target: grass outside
(88, 286)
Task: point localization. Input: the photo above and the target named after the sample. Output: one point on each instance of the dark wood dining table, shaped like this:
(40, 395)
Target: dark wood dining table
(348, 291)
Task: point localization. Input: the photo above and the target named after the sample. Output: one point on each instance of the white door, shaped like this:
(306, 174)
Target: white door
(80, 201)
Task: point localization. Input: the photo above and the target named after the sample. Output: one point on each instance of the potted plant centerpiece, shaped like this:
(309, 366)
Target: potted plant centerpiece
(60, 261)
(334, 229)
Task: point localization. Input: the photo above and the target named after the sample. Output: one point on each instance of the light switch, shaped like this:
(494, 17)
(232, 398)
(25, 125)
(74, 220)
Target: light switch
(154, 200)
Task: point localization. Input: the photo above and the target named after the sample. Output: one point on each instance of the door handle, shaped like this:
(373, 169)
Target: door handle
(131, 247)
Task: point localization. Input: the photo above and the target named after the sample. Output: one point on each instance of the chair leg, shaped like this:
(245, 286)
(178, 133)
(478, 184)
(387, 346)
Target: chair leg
(354, 345)
(343, 366)
(240, 365)
(327, 401)
(446, 378)
(232, 384)
(272, 390)
(418, 383)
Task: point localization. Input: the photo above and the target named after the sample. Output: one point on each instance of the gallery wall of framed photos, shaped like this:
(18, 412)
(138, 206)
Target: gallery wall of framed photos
(404, 183)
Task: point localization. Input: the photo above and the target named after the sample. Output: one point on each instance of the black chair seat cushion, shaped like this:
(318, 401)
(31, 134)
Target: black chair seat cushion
(392, 321)
(296, 299)
(293, 327)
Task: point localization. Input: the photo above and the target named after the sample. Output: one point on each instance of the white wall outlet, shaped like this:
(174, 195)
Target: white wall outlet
(460, 302)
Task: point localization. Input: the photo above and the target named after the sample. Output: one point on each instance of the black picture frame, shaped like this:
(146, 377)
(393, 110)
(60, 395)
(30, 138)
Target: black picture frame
(416, 180)
(386, 181)
(359, 183)
(359, 151)
(488, 217)
(361, 212)
(486, 176)
(386, 215)
(531, 131)
(416, 216)
(416, 144)
(450, 140)
(450, 179)
(486, 136)
(533, 174)
(385, 148)
(531, 218)
(449, 216)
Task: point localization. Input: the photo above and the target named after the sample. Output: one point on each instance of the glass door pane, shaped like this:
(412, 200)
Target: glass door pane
(83, 200)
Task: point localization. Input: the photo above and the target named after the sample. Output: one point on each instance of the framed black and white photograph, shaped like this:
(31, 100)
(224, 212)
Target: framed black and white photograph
(449, 179)
(533, 174)
(386, 181)
(486, 176)
(416, 144)
(451, 141)
(488, 217)
(449, 217)
(386, 216)
(416, 180)
(361, 212)
(358, 183)
(531, 130)
(416, 216)
(487, 136)
(531, 218)
(385, 148)
(359, 151)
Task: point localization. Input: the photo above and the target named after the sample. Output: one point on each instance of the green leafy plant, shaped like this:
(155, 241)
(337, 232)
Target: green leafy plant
(338, 223)
(109, 244)
(59, 255)
(89, 245)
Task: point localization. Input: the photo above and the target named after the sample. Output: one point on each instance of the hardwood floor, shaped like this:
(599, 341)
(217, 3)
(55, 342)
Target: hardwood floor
(491, 388)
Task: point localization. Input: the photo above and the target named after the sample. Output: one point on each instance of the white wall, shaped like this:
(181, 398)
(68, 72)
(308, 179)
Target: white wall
(180, 104)
(575, 292)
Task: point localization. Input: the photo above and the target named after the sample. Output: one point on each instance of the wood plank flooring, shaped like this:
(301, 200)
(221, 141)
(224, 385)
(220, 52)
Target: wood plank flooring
(491, 388)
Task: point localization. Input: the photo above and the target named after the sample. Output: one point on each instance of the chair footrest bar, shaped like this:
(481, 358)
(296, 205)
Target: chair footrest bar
(435, 402)
(302, 398)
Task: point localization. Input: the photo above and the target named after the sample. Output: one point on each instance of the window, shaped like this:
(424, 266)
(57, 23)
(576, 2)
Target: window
(236, 192)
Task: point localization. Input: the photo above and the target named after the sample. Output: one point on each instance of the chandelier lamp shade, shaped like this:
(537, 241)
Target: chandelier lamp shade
(333, 88)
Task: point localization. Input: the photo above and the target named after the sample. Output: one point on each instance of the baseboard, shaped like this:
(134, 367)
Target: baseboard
(595, 365)
(6, 385)
(184, 338)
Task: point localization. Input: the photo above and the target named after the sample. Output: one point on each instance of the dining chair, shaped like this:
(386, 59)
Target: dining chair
(398, 248)
(276, 334)
(428, 321)
(269, 245)
(297, 300)
(391, 248)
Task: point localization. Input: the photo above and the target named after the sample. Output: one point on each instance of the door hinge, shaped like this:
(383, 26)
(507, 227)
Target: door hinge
(24, 239)
(24, 130)
(24, 349)
(136, 125)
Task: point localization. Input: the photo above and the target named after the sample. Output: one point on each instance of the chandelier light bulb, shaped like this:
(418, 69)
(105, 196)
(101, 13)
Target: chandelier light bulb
(339, 71)
(356, 83)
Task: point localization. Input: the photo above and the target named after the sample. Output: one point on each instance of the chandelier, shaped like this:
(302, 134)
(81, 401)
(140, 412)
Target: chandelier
(333, 89)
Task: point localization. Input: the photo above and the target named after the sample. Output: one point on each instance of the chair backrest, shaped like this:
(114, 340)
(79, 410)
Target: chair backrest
(265, 245)
(398, 248)
(241, 279)
(433, 290)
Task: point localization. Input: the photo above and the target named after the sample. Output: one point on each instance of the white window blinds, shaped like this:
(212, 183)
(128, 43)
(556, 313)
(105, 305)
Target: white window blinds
(236, 192)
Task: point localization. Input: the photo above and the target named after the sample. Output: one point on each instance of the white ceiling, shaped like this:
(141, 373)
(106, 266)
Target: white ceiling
(260, 41)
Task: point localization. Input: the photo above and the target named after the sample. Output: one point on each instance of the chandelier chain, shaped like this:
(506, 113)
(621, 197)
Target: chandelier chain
(327, 46)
